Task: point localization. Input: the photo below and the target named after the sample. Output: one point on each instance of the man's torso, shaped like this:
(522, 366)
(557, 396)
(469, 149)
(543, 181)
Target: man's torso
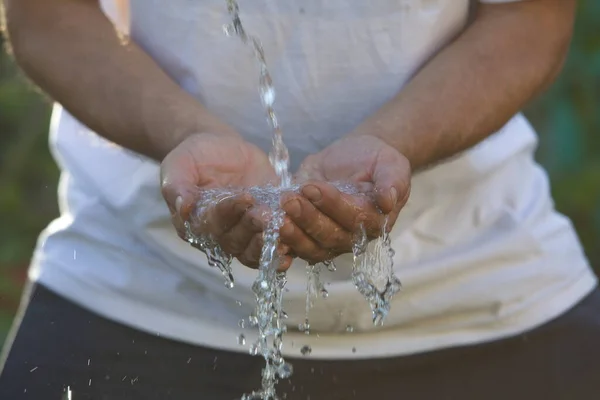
(478, 246)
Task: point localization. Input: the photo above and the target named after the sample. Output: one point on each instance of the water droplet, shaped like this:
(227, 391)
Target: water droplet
(285, 370)
(354, 349)
(349, 328)
(253, 321)
(242, 340)
(306, 350)
(330, 265)
(253, 350)
(304, 327)
(229, 30)
(268, 96)
(242, 323)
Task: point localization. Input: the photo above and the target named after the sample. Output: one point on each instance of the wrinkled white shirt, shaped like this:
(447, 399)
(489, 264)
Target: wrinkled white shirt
(480, 250)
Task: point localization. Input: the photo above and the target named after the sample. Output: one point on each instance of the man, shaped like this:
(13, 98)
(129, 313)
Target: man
(498, 300)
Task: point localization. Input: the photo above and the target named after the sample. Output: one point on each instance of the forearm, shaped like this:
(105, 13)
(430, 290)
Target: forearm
(475, 85)
(71, 51)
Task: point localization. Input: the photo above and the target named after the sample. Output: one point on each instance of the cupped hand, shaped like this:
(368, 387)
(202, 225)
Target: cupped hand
(211, 161)
(322, 220)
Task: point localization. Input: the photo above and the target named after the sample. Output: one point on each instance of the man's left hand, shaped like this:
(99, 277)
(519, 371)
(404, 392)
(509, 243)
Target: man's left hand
(322, 221)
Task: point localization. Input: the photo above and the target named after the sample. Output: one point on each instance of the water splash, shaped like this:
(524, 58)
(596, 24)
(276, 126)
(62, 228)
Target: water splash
(269, 285)
(216, 257)
(314, 288)
(373, 272)
(268, 290)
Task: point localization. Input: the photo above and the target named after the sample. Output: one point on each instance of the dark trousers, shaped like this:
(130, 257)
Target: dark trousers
(60, 345)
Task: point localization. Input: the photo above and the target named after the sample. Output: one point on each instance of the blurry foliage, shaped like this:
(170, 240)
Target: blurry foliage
(567, 118)
(28, 175)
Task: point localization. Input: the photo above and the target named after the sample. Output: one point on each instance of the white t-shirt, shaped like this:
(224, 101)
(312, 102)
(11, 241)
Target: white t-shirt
(479, 248)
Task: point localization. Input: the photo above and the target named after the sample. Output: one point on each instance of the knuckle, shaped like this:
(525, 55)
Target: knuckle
(329, 242)
(339, 241)
(315, 230)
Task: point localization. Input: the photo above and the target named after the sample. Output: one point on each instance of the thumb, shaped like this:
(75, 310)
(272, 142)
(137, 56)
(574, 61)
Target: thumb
(391, 178)
(179, 189)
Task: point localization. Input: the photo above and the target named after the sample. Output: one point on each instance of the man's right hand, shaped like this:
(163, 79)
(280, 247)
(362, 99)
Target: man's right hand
(213, 161)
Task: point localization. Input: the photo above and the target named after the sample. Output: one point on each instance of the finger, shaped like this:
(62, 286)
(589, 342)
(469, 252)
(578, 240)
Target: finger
(226, 213)
(323, 230)
(237, 239)
(301, 245)
(371, 219)
(330, 201)
(178, 184)
(285, 262)
(285, 258)
(393, 216)
(391, 176)
(347, 210)
(250, 257)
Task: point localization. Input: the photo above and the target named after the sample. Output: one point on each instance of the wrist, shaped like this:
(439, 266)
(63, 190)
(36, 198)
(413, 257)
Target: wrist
(397, 131)
(179, 119)
(399, 141)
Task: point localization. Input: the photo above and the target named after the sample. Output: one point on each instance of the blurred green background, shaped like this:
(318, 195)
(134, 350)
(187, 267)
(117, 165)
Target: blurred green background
(567, 118)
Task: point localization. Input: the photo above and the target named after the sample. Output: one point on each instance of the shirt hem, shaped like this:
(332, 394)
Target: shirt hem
(393, 342)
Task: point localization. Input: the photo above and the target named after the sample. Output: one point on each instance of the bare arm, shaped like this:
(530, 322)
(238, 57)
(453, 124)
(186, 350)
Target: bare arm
(507, 56)
(469, 90)
(70, 50)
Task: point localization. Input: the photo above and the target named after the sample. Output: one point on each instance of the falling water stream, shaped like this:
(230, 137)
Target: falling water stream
(372, 272)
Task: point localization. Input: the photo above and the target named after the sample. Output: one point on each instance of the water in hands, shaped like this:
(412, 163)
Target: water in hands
(373, 273)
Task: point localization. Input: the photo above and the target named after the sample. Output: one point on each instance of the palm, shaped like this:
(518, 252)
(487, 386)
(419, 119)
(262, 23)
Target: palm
(213, 162)
(327, 218)
(353, 160)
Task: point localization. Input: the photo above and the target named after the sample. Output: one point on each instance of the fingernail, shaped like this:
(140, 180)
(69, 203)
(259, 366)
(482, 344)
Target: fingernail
(312, 193)
(293, 208)
(283, 249)
(178, 204)
(394, 195)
